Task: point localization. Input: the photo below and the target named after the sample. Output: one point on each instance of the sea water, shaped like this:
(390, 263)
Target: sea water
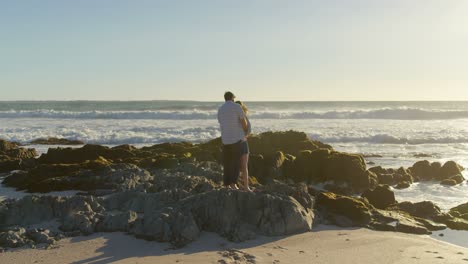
(390, 134)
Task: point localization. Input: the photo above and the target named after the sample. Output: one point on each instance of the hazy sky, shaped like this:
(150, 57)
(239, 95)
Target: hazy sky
(261, 50)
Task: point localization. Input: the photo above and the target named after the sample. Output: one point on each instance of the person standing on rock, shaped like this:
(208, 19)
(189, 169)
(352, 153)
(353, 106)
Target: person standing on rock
(234, 127)
(244, 166)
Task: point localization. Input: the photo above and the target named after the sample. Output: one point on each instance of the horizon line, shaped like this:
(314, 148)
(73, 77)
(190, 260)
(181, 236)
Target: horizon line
(202, 101)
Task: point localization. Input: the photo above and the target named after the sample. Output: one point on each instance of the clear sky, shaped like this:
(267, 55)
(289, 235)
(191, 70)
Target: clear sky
(261, 50)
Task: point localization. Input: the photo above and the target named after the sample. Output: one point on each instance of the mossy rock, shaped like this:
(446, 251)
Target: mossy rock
(352, 208)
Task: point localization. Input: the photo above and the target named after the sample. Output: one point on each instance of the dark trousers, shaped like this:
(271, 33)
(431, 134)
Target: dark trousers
(231, 160)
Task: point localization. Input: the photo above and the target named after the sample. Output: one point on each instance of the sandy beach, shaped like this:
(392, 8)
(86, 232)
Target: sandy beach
(325, 245)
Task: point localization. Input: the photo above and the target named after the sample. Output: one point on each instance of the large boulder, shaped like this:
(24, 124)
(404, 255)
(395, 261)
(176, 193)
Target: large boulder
(424, 209)
(460, 211)
(236, 214)
(344, 210)
(13, 157)
(323, 165)
(80, 155)
(454, 180)
(90, 175)
(37, 209)
(380, 197)
(426, 171)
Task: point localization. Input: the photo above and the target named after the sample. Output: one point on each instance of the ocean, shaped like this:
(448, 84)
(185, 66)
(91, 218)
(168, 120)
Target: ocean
(390, 134)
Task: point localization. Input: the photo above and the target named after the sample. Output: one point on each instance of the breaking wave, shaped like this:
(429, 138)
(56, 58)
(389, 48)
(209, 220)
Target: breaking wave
(385, 113)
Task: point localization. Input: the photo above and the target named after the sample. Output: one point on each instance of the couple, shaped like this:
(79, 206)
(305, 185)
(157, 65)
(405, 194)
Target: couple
(235, 128)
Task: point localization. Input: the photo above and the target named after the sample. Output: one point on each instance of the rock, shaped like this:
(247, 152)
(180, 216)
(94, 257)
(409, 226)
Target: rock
(226, 212)
(403, 185)
(323, 165)
(354, 209)
(454, 180)
(423, 170)
(290, 142)
(13, 238)
(56, 141)
(425, 209)
(460, 211)
(457, 224)
(12, 157)
(113, 222)
(40, 237)
(84, 222)
(448, 182)
(380, 197)
(426, 171)
(87, 176)
(37, 209)
(88, 152)
(412, 227)
(299, 192)
(168, 225)
(450, 169)
(170, 180)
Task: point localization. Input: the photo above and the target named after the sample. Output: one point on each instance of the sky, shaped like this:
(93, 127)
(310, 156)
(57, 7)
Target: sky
(262, 50)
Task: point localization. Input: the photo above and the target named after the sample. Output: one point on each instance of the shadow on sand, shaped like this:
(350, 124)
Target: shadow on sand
(119, 246)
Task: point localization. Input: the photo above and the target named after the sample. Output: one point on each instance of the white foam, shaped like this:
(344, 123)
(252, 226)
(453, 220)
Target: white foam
(401, 113)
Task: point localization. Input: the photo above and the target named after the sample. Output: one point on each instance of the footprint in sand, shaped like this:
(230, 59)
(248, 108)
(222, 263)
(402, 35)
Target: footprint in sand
(465, 259)
(440, 257)
(460, 253)
(301, 252)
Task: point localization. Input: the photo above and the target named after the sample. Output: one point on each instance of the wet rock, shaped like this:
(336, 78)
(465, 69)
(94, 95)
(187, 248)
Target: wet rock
(403, 185)
(452, 181)
(425, 209)
(450, 169)
(426, 171)
(380, 197)
(56, 141)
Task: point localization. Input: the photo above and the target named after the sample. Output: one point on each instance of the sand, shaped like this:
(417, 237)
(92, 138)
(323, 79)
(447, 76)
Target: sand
(326, 245)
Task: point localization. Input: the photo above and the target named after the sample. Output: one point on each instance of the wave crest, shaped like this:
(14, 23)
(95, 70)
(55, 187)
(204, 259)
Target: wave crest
(385, 113)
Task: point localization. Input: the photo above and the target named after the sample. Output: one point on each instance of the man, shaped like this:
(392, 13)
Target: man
(233, 125)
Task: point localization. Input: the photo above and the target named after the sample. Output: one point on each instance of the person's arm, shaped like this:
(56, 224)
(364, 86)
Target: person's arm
(245, 126)
(243, 120)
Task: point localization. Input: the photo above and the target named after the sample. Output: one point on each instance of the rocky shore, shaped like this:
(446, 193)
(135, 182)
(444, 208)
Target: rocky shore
(172, 192)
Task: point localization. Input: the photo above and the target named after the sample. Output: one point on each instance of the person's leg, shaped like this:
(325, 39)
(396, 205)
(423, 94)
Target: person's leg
(245, 171)
(236, 155)
(227, 170)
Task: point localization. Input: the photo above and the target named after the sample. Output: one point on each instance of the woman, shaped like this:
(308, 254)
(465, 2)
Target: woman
(245, 150)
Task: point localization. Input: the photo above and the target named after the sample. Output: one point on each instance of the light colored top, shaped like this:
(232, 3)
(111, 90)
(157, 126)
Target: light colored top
(230, 115)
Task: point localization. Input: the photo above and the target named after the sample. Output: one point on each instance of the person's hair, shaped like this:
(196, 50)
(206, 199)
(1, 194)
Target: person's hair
(244, 107)
(228, 96)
